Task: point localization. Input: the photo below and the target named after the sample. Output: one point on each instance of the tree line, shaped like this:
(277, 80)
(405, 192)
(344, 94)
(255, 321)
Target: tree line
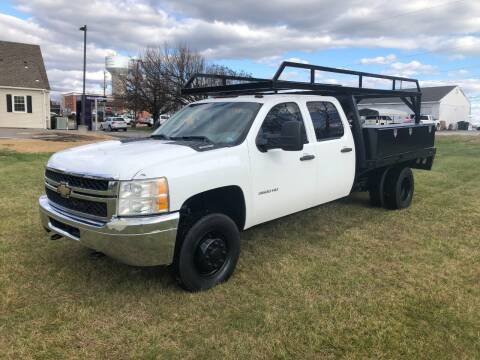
(155, 79)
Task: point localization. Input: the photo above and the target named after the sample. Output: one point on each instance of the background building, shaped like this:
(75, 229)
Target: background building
(24, 87)
(68, 101)
(448, 104)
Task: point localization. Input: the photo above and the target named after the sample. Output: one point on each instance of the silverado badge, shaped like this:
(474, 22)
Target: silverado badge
(64, 190)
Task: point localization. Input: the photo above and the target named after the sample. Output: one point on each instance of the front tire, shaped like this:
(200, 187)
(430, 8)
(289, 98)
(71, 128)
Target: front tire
(208, 254)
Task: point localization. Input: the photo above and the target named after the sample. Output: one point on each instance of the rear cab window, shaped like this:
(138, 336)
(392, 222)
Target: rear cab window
(326, 120)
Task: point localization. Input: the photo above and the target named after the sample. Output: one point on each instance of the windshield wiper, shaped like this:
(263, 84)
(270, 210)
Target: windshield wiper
(192, 137)
(161, 136)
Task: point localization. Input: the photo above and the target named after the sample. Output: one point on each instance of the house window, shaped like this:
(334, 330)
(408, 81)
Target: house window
(19, 104)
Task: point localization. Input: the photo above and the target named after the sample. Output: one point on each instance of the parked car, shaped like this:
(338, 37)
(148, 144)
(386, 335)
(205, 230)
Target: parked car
(427, 119)
(379, 116)
(222, 165)
(114, 123)
(378, 120)
(146, 121)
(128, 120)
(162, 118)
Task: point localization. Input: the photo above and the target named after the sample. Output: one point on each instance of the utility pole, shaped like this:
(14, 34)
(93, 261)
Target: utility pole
(84, 29)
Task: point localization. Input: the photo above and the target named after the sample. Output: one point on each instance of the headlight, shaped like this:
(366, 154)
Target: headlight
(143, 197)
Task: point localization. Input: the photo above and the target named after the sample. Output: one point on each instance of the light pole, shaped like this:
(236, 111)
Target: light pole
(84, 29)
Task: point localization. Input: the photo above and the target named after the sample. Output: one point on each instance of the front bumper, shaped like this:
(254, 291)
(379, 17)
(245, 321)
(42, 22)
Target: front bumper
(139, 241)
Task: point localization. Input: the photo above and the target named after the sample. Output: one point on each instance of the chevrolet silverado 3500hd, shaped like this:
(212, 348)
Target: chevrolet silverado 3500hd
(254, 151)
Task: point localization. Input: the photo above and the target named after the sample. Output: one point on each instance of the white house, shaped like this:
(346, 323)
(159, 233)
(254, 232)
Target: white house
(448, 104)
(24, 87)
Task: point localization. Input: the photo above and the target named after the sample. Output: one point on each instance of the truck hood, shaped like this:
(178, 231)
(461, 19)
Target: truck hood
(117, 159)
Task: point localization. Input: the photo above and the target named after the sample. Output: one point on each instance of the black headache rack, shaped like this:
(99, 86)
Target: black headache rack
(376, 146)
(207, 84)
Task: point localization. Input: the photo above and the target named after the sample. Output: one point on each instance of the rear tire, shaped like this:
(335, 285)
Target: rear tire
(399, 188)
(377, 189)
(375, 197)
(208, 254)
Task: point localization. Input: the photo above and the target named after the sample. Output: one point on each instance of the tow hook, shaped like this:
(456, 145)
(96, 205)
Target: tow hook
(55, 237)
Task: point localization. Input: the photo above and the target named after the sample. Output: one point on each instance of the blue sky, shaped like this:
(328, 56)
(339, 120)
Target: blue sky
(413, 38)
(7, 7)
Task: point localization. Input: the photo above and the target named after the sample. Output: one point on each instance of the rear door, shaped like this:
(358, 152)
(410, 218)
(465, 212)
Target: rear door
(283, 182)
(334, 150)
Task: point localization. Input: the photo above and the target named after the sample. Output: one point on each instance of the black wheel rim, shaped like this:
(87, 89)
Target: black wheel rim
(211, 254)
(405, 189)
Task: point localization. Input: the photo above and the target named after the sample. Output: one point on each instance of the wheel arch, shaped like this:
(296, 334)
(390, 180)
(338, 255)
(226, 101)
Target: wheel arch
(228, 200)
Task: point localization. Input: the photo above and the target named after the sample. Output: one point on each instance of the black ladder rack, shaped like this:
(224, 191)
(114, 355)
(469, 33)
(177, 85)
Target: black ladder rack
(201, 84)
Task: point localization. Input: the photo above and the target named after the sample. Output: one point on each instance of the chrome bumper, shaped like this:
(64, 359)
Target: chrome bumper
(140, 241)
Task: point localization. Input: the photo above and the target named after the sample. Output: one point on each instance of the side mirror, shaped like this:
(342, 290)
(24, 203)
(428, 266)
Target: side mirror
(291, 136)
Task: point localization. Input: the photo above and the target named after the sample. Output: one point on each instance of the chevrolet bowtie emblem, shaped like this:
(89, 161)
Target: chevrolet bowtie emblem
(64, 190)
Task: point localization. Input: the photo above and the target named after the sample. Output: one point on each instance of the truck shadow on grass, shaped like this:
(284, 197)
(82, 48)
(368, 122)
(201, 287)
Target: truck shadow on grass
(265, 243)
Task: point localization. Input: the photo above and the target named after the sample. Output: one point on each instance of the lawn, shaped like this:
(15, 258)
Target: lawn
(341, 280)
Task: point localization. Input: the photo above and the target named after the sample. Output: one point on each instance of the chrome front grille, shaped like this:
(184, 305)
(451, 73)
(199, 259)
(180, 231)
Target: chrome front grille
(82, 195)
(78, 181)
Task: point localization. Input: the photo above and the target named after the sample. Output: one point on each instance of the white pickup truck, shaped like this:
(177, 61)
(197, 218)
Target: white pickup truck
(222, 165)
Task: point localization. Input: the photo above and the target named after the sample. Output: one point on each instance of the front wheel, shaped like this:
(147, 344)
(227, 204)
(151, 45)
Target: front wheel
(208, 254)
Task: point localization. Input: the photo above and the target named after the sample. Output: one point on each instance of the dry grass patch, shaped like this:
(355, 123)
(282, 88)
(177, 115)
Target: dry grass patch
(50, 142)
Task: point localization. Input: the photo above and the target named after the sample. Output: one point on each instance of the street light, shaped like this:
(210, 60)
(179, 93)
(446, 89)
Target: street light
(84, 29)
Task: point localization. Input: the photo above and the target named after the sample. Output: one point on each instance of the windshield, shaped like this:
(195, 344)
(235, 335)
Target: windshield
(225, 123)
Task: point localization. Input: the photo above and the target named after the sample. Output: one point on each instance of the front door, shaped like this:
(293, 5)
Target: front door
(283, 181)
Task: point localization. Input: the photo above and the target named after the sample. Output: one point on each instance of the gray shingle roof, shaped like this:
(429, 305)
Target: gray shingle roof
(21, 65)
(429, 94)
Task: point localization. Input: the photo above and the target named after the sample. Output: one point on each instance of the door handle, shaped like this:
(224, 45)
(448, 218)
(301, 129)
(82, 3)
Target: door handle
(346, 149)
(307, 157)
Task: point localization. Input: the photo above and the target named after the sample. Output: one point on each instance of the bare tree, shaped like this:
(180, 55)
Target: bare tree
(155, 80)
(133, 84)
(181, 64)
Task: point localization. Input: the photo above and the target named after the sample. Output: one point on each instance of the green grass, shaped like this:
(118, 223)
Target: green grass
(343, 280)
(143, 128)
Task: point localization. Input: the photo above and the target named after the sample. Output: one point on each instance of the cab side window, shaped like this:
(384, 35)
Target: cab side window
(326, 120)
(279, 114)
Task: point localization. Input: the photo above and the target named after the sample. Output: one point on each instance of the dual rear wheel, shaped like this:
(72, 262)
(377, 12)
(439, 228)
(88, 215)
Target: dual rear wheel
(393, 189)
